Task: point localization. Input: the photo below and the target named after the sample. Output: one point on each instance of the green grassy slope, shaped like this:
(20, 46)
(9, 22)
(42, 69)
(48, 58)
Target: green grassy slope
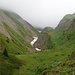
(16, 44)
(59, 60)
(45, 61)
(9, 64)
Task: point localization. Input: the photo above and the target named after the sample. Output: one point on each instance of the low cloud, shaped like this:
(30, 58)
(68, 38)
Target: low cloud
(40, 13)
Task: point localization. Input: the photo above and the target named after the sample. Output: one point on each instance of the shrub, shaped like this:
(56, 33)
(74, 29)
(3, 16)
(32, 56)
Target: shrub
(5, 53)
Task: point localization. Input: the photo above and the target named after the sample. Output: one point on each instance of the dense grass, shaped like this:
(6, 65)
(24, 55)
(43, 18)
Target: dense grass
(9, 64)
(39, 62)
(12, 45)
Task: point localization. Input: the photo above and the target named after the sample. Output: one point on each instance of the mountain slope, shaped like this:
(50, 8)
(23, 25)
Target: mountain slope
(64, 33)
(18, 32)
(66, 22)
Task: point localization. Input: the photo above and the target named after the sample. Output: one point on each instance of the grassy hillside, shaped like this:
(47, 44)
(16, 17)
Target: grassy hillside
(9, 64)
(42, 62)
(14, 45)
(57, 55)
(55, 61)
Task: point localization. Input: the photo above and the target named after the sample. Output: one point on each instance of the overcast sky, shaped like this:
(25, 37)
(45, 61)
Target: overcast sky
(40, 13)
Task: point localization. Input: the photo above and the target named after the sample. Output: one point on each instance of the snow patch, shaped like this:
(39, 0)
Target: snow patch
(32, 43)
(38, 49)
(34, 40)
(39, 31)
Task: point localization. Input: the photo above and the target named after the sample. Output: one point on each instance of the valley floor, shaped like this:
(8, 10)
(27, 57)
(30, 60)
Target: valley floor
(42, 63)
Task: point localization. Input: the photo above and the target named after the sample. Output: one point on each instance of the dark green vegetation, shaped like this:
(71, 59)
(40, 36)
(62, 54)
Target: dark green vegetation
(44, 61)
(18, 57)
(9, 64)
(5, 53)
